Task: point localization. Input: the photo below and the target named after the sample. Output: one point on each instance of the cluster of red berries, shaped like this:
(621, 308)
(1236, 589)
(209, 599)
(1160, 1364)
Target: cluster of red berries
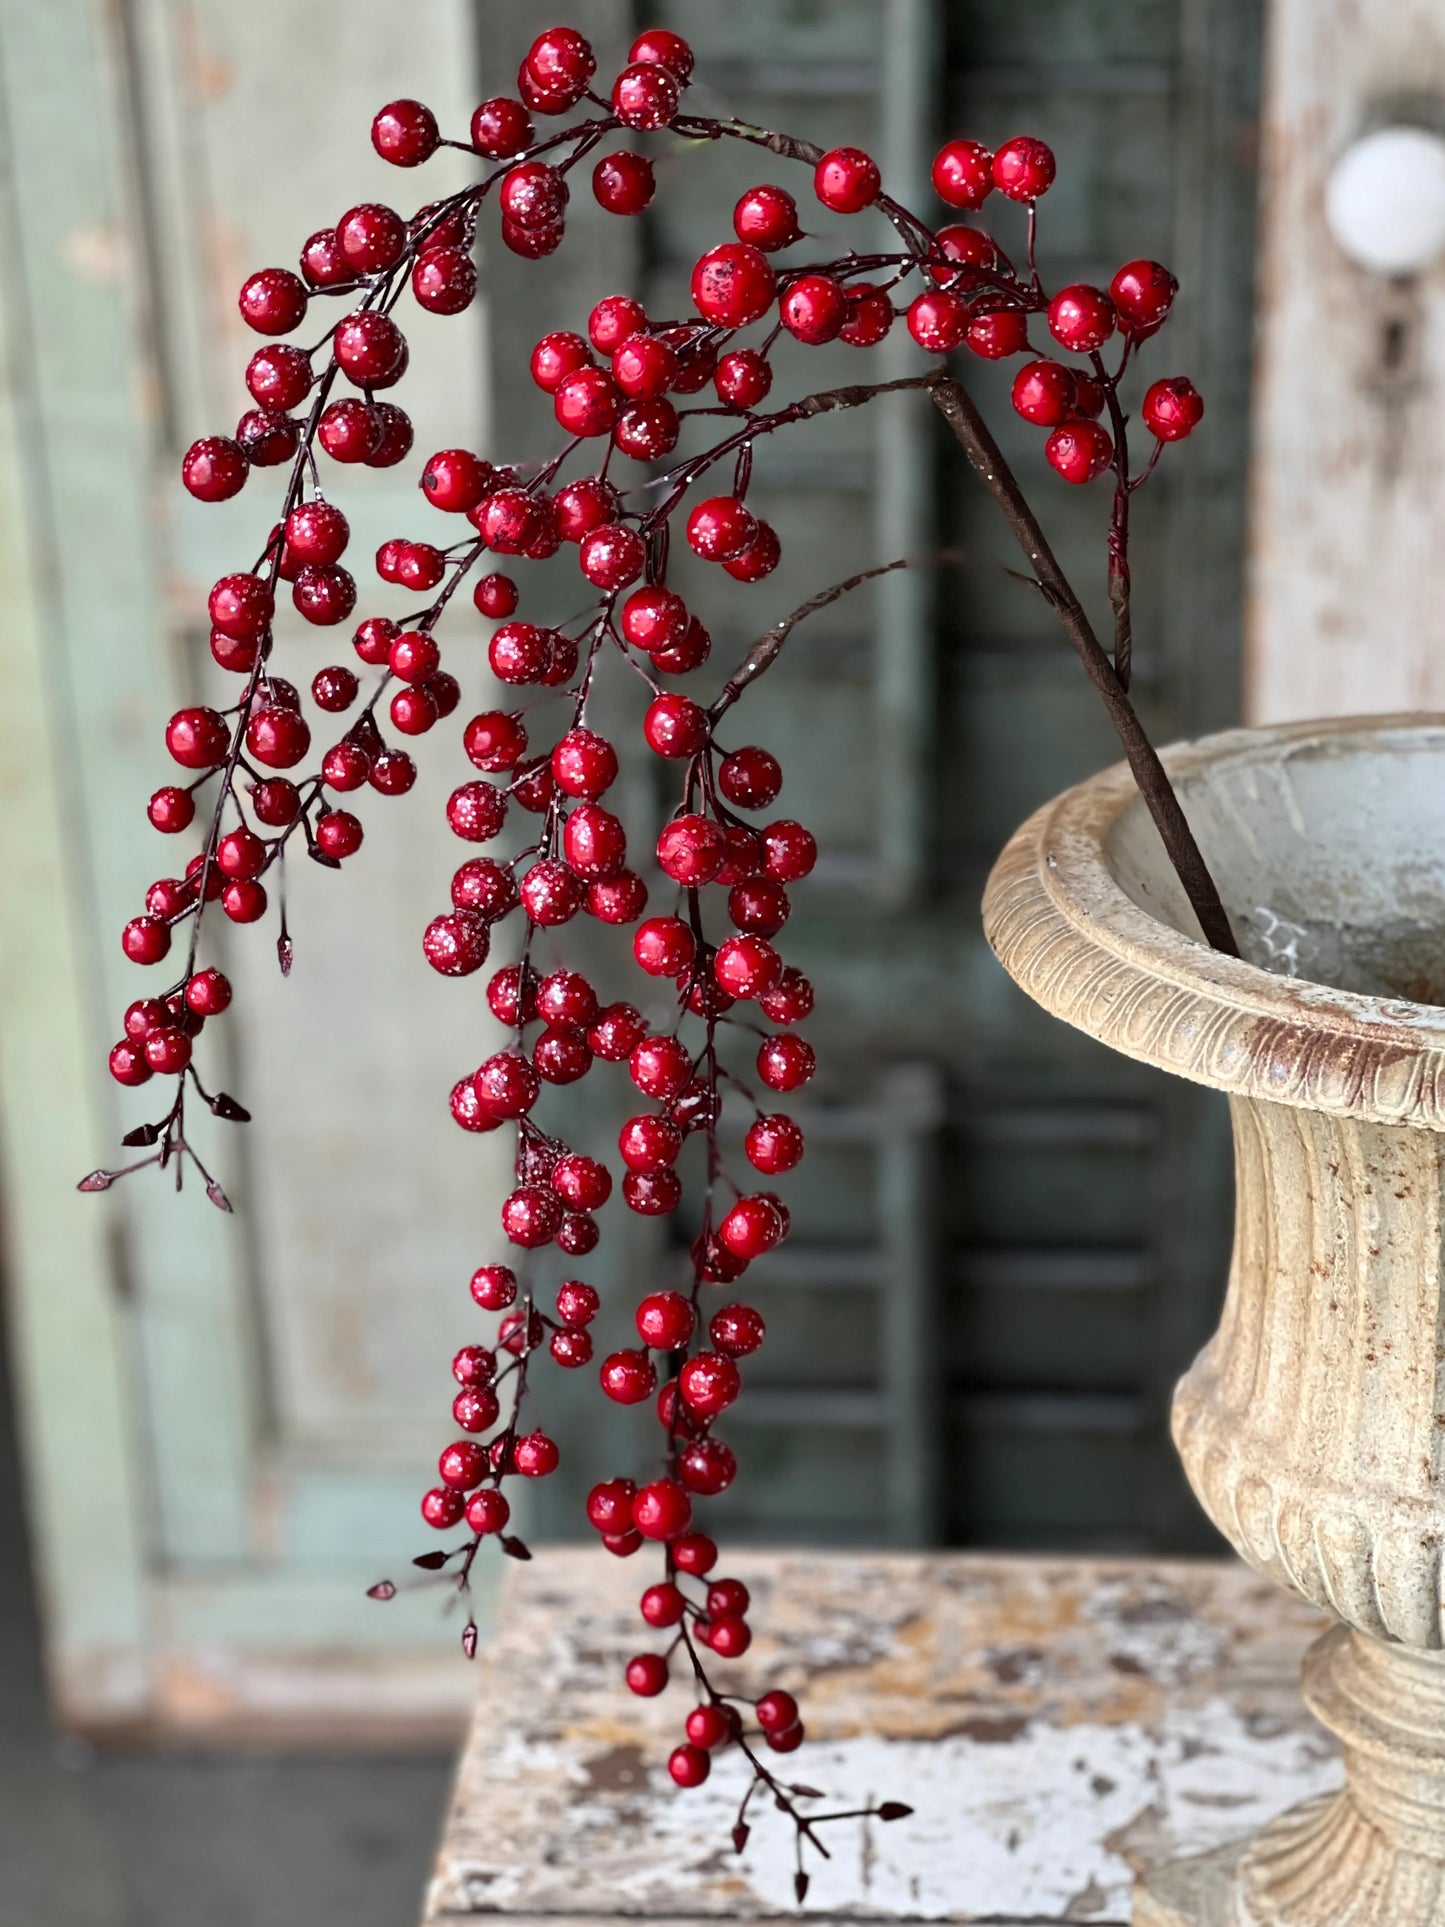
(619, 389)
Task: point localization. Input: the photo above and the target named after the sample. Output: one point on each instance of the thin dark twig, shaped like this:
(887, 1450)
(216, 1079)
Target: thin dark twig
(764, 651)
(973, 435)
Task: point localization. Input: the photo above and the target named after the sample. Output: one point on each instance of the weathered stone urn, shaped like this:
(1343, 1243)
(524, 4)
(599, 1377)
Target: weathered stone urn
(1312, 1426)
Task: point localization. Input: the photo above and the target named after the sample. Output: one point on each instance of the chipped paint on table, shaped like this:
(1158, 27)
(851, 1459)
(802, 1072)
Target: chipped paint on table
(1055, 1725)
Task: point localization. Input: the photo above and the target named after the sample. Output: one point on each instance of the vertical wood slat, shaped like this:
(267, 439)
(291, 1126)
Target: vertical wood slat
(70, 1332)
(1344, 610)
(905, 520)
(909, 1177)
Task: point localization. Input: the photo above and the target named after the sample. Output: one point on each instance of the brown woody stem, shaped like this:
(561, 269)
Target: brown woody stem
(973, 435)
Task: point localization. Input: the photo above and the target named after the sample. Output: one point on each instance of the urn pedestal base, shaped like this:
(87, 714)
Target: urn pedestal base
(1370, 1856)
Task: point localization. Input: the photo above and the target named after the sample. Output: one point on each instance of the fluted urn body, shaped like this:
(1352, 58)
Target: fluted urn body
(1312, 1426)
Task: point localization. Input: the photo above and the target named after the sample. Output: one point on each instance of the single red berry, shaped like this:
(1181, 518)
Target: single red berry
(208, 993)
(197, 738)
(1081, 317)
(578, 1305)
(963, 173)
(767, 218)
(959, 251)
(628, 1377)
(279, 738)
(776, 1711)
(661, 1510)
(584, 764)
(551, 895)
(240, 606)
(462, 1465)
(519, 653)
(533, 244)
(609, 1505)
(556, 356)
(414, 656)
(645, 96)
(345, 766)
(349, 430)
(145, 940)
(392, 772)
(665, 1321)
(560, 1055)
(476, 1408)
(753, 1226)
(1043, 393)
(847, 180)
(476, 811)
(709, 1383)
(747, 966)
(662, 1606)
(647, 430)
(455, 945)
(720, 529)
(536, 1455)
(733, 285)
(791, 1001)
(214, 469)
(617, 899)
(998, 334)
(444, 280)
(652, 1194)
(938, 321)
(167, 1050)
(750, 777)
(316, 531)
(171, 809)
(495, 596)
(1023, 168)
(241, 853)
(368, 346)
(338, 833)
(372, 237)
(742, 378)
(500, 128)
(279, 377)
(791, 851)
(737, 1330)
(613, 320)
(647, 1675)
(691, 849)
(664, 946)
(324, 593)
(870, 315)
(494, 1287)
(586, 402)
(488, 1510)
(785, 1063)
(774, 1144)
(267, 439)
(612, 556)
(1143, 293)
(442, 1508)
(273, 301)
(711, 1725)
(405, 133)
(689, 1765)
(1079, 451)
(277, 802)
(495, 740)
(814, 309)
(334, 689)
(643, 367)
(729, 1637)
(485, 886)
(530, 1217)
(581, 507)
(243, 901)
(1173, 408)
(623, 183)
(532, 195)
(322, 262)
(679, 658)
(758, 559)
(455, 480)
(649, 1143)
(675, 726)
(660, 1067)
(666, 49)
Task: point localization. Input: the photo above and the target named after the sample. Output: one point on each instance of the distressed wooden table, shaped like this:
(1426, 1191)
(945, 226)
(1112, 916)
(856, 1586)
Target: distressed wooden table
(1055, 1724)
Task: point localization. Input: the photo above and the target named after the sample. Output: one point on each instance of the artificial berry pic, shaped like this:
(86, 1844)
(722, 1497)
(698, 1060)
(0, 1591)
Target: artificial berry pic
(616, 898)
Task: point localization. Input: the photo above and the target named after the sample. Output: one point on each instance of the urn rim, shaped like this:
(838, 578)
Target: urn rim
(1078, 943)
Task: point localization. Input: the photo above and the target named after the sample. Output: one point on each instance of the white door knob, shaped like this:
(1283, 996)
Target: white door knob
(1385, 200)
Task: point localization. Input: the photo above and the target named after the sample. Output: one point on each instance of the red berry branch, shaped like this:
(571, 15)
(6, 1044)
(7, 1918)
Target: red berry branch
(620, 393)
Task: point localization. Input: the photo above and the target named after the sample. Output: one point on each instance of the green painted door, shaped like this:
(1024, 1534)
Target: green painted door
(1006, 1241)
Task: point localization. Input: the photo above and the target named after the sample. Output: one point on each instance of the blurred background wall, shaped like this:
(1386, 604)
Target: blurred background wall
(1007, 1242)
